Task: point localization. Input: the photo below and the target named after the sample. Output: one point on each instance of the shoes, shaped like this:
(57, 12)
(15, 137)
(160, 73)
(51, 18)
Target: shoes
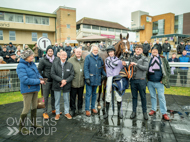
(120, 116)
(45, 116)
(152, 112)
(88, 113)
(165, 117)
(133, 115)
(107, 110)
(145, 116)
(72, 113)
(22, 128)
(80, 111)
(57, 117)
(68, 116)
(94, 111)
(54, 112)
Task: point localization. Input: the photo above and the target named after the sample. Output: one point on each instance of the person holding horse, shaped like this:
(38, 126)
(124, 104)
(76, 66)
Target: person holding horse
(113, 66)
(138, 81)
(93, 70)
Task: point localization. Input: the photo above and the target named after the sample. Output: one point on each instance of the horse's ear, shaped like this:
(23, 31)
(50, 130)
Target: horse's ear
(127, 36)
(121, 36)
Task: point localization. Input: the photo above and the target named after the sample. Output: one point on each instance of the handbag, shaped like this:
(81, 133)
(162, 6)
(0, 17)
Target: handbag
(41, 101)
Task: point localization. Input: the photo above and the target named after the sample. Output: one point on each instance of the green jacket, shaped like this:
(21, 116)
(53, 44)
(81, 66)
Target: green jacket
(78, 66)
(165, 71)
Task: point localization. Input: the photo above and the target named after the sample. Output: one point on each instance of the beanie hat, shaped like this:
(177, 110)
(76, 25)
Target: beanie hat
(25, 54)
(49, 47)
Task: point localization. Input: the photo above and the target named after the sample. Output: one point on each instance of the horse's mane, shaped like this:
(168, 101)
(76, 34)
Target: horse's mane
(117, 50)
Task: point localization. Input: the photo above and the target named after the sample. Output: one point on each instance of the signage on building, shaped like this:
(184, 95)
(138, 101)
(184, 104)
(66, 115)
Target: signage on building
(4, 25)
(148, 19)
(108, 36)
(43, 43)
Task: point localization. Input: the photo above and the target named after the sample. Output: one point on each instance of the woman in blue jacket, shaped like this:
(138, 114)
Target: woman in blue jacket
(30, 81)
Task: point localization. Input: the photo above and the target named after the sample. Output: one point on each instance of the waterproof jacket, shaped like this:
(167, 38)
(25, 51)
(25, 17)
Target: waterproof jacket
(78, 66)
(12, 49)
(61, 48)
(56, 74)
(165, 71)
(166, 47)
(187, 47)
(35, 51)
(55, 50)
(29, 76)
(11, 61)
(183, 58)
(93, 69)
(68, 50)
(3, 54)
(141, 68)
(40, 53)
(159, 47)
(44, 68)
(180, 48)
(146, 48)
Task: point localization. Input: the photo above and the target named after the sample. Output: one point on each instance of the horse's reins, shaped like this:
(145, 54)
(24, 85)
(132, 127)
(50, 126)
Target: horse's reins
(128, 73)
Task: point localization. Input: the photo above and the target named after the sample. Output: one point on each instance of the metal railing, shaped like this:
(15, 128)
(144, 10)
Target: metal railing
(10, 82)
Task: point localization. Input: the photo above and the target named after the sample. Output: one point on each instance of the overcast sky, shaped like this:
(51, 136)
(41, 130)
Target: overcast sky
(110, 10)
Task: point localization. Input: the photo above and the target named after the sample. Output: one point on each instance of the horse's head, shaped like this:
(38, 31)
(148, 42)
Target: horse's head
(123, 46)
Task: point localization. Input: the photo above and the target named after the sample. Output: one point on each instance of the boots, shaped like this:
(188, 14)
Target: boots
(107, 109)
(33, 119)
(119, 110)
(22, 128)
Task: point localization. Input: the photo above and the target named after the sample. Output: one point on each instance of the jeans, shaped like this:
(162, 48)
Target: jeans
(47, 89)
(36, 59)
(57, 95)
(73, 93)
(152, 87)
(90, 91)
(138, 85)
(166, 54)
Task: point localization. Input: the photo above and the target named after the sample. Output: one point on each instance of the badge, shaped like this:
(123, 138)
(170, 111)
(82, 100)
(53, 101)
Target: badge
(168, 47)
(80, 70)
(67, 69)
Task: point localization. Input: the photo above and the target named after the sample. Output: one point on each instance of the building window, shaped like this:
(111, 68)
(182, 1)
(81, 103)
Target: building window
(18, 18)
(11, 17)
(34, 36)
(155, 28)
(12, 35)
(117, 30)
(68, 38)
(111, 29)
(87, 26)
(103, 29)
(2, 16)
(68, 26)
(45, 35)
(124, 31)
(95, 27)
(1, 35)
(37, 20)
(161, 24)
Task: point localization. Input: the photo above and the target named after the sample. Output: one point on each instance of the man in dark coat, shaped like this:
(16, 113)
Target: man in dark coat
(11, 48)
(92, 71)
(5, 54)
(44, 69)
(62, 73)
(146, 48)
(180, 47)
(12, 58)
(158, 46)
(55, 49)
(68, 50)
(166, 47)
(61, 47)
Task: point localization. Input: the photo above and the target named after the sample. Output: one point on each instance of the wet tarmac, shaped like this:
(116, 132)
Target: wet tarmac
(97, 129)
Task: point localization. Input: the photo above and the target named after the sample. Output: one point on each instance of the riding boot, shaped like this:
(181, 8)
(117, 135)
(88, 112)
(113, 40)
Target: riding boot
(119, 110)
(22, 129)
(33, 119)
(107, 110)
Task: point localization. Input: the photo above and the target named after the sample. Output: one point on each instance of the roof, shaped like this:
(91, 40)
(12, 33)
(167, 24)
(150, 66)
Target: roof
(93, 38)
(64, 7)
(102, 23)
(19, 11)
(169, 35)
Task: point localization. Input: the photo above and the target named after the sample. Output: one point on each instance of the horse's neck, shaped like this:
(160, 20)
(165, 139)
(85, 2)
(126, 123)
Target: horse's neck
(117, 50)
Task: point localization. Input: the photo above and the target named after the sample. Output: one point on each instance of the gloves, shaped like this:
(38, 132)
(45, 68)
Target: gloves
(88, 82)
(103, 78)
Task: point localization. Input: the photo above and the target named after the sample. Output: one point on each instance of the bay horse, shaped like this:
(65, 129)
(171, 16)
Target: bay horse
(122, 50)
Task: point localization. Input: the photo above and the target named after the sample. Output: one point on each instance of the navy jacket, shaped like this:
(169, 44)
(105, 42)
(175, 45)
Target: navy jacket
(175, 60)
(29, 76)
(93, 69)
(68, 50)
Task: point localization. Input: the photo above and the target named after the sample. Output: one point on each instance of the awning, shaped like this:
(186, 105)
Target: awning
(170, 35)
(71, 41)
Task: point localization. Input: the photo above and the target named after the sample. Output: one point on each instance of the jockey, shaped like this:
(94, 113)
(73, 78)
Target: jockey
(113, 66)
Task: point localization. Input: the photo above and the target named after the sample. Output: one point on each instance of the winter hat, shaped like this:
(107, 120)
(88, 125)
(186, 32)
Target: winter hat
(10, 43)
(49, 47)
(25, 54)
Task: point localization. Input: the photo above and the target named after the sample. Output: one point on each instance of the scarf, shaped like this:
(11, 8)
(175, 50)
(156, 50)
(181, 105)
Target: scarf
(155, 64)
(50, 58)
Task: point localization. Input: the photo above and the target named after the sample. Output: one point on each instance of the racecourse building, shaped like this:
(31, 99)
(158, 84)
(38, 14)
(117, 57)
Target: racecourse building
(25, 27)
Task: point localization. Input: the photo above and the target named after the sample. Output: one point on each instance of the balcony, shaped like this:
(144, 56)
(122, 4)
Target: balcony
(137, 29)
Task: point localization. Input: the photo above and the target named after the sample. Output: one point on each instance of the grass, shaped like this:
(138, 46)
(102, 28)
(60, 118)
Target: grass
(11, 97)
